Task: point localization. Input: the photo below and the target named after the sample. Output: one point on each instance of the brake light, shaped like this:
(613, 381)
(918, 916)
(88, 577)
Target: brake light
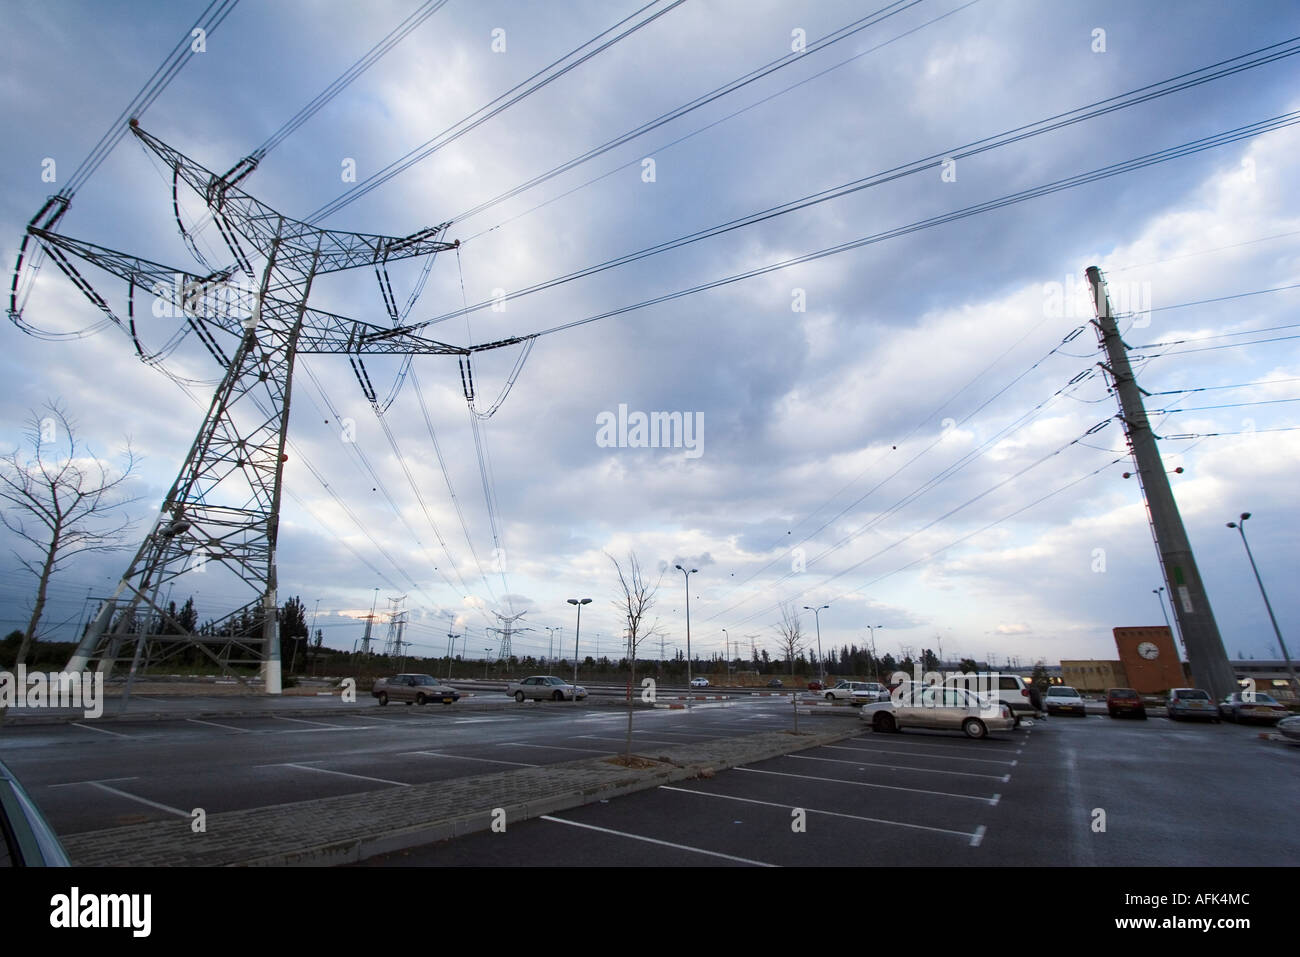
(1024, 692)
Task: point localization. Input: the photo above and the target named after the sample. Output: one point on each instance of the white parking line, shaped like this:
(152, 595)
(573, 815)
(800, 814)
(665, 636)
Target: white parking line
(596, 737)
(320, 724)
(482, 720)
(116, 734)
(70, 784)
(902, 767)
(938, 757)
(929, 745)
(136, 797)
(868, 784)
(344, 774)
(462, 757)
(549, 747)
(652, 840)
(974, 837)
(214, 724)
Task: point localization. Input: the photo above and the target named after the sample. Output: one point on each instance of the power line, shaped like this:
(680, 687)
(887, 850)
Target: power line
(732, 86)
(933, 161)
(1188, 148)
(483, 114)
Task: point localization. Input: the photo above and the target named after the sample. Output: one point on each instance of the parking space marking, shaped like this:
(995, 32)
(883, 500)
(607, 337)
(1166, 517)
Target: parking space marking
(596, 737)
(697, 734)
(463, 757)
(1004, 778)
(116, 734)
(868, 784)
(941, 757)
(974, 837)
(320, 724)
(214, 724)
(136, 797)
(482, 720)
(550, 747)
(70, 784)
(653, 840)
(345, 774)
(931, 744)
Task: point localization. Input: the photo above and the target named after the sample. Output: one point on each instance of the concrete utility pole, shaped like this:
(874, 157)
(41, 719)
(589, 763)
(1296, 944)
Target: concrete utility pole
(1205, 654)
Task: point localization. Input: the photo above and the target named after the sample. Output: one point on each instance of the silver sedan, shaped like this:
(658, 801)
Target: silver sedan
(942, 708)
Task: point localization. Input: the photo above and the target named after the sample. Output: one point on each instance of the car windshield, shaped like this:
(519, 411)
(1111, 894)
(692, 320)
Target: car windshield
(1193, 694)
(1062, 693)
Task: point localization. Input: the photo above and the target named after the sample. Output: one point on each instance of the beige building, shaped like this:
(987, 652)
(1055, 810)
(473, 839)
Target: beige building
(1093, 675)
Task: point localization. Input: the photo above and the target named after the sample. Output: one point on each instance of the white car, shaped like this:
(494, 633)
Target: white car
(545, 688)
(869, 693)
(699, 682)
(1061, 699)
(844, 690)
(939, 707)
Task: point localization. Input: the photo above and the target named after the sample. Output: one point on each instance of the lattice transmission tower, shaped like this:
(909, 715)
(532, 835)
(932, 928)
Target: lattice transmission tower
(221, 516)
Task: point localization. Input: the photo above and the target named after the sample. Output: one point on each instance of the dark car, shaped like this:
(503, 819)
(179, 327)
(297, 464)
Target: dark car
(1252, 706)
(1125, 701)
(26, 840)
(775, 683)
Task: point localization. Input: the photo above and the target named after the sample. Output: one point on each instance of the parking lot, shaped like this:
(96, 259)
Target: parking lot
(91, 775)
(1067, 791)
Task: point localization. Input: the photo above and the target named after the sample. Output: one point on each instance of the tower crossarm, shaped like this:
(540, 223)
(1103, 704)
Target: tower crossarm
(218, 301)
(264, 228)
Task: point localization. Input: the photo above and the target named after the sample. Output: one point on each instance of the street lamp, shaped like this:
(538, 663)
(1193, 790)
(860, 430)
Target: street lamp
(1286, 655)
(485, 662)
(688, 575)
(874, 660)
(576, 632)
(821, 667)
(726, 644)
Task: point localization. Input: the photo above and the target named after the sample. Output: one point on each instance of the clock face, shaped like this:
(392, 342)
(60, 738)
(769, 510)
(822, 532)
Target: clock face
(1148, 650)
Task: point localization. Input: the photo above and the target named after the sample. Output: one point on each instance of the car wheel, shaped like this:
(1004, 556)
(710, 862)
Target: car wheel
(1111, 712)
(1015, 719)
(420, 699)
(830, 697)
(1171, 716)
(1142, 714)
(974, 728)
(383, 697)
(1217, 720)
(519, 696)
(884, 722)
(558, 696)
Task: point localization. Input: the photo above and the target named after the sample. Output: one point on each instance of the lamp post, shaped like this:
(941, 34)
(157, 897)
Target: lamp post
(688, 575)
(576, 632)
(821, 667)
(726, 645)
(1159, 593)
(1286, 655)
(485, 662)
(874, 660)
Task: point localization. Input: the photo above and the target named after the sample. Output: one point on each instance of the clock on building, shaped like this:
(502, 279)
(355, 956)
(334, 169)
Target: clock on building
(1148, 650)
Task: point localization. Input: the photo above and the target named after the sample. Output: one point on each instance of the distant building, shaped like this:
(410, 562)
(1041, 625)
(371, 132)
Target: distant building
(1150, 659)
(1149, 663)
(1093, 675)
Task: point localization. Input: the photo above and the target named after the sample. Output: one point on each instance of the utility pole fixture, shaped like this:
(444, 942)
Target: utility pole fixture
(222, 511)
(1195, 617)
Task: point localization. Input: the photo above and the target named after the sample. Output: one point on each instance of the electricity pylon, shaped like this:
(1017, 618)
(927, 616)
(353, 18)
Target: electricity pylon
(222, 512)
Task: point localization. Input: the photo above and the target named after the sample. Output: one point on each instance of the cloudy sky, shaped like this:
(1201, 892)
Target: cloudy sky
(895, 430)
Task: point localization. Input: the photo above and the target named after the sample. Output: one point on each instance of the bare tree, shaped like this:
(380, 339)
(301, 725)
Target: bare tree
(62, 501)
(790, 637)
(638, 598)
(791, 641)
